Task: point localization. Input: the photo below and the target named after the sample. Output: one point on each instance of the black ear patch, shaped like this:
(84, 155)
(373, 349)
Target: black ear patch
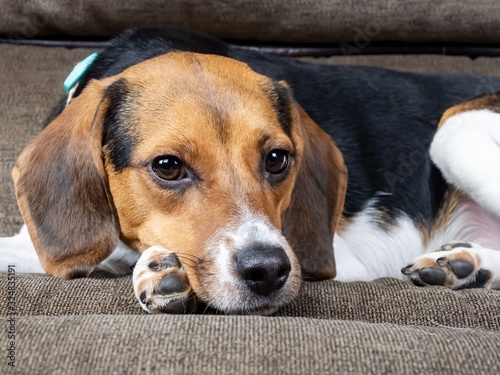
(119, 139)
(281, 98)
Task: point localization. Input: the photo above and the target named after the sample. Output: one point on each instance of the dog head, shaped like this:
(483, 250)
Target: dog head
(198, 154)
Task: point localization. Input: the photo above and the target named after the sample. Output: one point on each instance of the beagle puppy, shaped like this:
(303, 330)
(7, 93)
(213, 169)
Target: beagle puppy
(227, 176)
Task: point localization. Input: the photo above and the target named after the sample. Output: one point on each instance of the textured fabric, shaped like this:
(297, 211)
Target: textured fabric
(103, 344)
(356, 22)
(382, 301)
(31, 83)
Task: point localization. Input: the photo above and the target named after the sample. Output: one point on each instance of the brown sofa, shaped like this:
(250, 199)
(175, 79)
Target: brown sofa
(95, 326)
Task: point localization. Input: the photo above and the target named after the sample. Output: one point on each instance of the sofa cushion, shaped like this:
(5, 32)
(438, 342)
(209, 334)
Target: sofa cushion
(162, 344)
(354, 22)
(382, 301)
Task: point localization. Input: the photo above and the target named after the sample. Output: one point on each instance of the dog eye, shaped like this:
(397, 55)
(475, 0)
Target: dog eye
(169, 168)
(277, 161)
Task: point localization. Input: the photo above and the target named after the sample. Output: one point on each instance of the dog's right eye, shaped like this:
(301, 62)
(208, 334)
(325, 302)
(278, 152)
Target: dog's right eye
(277, 161)
(169, 168)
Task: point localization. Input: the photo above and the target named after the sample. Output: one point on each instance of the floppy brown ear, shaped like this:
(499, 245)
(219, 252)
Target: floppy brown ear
(62, 192)
(317, 201)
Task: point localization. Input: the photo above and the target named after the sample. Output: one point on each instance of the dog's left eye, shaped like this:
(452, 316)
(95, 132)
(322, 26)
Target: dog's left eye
(277, 161)
(169, 167)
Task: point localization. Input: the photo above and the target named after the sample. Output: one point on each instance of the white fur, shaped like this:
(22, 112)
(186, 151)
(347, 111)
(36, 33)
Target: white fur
(254, 228)
(467, 151)
(227, 292)
(248, 228)
(145, 277)
(70, 94)
(19, 251)
(365, 251)
(470, 222)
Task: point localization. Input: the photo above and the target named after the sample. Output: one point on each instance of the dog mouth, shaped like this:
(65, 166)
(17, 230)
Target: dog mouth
(237, 299)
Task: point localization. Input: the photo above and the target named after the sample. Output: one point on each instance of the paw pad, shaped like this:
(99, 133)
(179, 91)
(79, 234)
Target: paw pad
(461, 268)
(161, 283)
(172, 284)
(457, 268)
(432, 276)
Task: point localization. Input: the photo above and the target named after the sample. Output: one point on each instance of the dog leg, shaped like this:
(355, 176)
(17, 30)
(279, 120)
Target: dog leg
(161, 284)
(466, 149)
(457, 266)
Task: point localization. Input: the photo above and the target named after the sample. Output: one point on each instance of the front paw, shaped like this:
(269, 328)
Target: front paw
(457, 265)
(161, 284)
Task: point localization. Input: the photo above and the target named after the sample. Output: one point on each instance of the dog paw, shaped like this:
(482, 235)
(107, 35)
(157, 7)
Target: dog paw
(457, 265)
(161, 284)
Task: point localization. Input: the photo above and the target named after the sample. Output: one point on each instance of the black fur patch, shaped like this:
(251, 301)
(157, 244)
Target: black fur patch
(119, 139)
(136, 45)
(281, 100)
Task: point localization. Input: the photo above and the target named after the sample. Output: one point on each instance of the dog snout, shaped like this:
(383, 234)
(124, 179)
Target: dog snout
(263, 268)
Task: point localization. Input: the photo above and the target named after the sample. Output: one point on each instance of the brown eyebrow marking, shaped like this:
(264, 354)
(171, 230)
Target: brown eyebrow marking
(281, 98)
(220, 119)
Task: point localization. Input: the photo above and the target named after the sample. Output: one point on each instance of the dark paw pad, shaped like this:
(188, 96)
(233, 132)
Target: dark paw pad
(461, 268)
(172, 284)
(407, 270)
(142, 297)
(432, 276)
(482, 277)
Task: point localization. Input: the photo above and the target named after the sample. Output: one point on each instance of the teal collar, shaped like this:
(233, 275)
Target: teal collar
(78, 71)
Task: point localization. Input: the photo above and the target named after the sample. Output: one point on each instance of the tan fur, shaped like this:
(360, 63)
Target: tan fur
(321, 205)
(463, 255)
(178, 118)
(49, 158)
(491, 101)
(426, 262)
(215, 114)
(450, 203)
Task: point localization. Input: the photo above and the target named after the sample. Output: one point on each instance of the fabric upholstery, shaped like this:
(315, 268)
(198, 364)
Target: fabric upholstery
(324, 21)
(382, 301)
(218, 345)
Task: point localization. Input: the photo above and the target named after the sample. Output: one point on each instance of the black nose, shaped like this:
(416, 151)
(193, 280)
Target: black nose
(264, 268)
